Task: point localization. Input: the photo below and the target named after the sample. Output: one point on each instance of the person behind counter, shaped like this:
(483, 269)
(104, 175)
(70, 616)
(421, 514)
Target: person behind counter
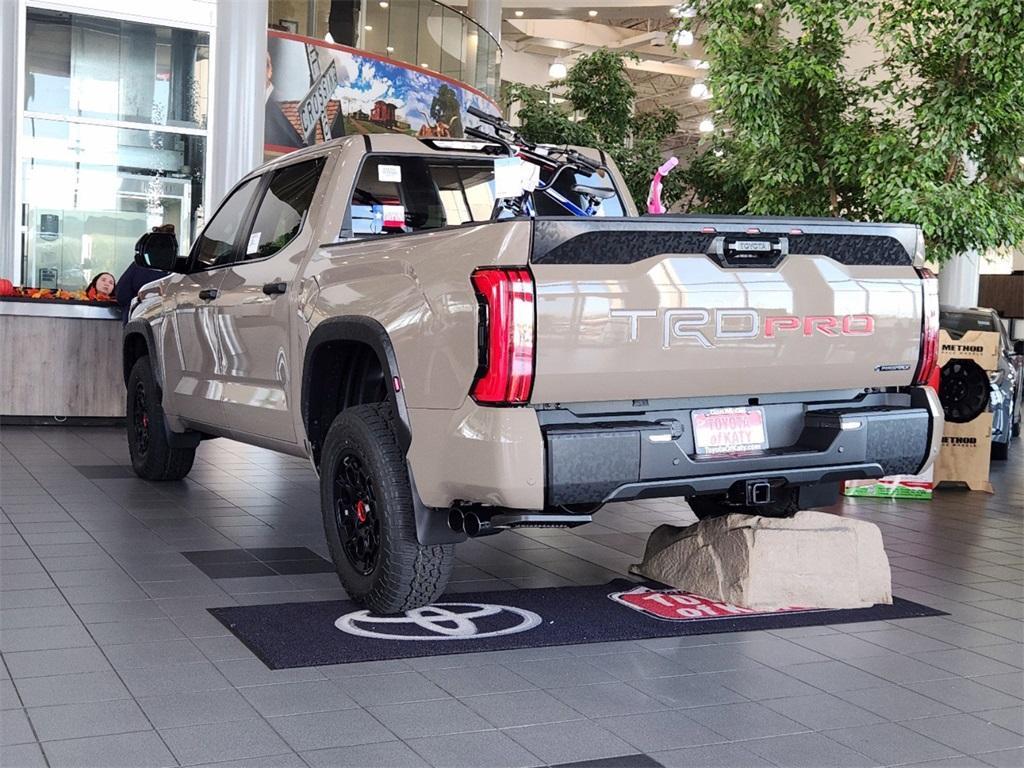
(101, 287)
(133, 278)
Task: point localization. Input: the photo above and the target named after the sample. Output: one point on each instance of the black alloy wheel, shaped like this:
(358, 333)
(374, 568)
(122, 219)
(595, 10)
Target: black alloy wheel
(964, 390)
(355, 514)
(154, 455)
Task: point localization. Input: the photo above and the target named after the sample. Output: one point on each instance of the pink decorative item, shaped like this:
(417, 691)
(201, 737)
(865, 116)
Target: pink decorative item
(654, 204)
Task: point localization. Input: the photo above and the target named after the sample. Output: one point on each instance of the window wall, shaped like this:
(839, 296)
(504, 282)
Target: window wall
(113, 141)
(426, 33)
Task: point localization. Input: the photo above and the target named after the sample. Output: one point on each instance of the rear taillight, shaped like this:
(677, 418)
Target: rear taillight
(505, 375)
(928, 361)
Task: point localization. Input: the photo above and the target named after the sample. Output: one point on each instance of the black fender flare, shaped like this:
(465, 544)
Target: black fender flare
(431, 524)
(370, 332)
(139, 327)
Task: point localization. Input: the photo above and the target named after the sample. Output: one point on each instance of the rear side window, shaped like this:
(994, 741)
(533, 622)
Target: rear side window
(546, 205)
(216, 246)
(406, 193)
(284, 208)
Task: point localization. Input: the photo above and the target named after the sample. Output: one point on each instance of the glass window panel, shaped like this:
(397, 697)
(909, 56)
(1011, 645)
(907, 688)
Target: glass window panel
(90, 192)
(452, 37)
(375, 28)
(216, 245)
(283, 210)
(86, 66)
(429, 48)
(548, 206)
(403, 31)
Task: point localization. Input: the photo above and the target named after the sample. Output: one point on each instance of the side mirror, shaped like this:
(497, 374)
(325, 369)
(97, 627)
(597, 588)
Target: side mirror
(157, 250)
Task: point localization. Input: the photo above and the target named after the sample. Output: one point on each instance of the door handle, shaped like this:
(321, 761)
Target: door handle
(272, 289)
(209, 294)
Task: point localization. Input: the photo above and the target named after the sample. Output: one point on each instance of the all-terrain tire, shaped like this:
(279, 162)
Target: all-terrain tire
(716, 505)
(153, 456)
(404, 574)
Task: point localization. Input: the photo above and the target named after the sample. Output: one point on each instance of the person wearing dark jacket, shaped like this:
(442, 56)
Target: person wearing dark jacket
(133, 278)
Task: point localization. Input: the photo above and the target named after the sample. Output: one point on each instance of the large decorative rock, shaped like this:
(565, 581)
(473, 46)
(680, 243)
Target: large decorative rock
(810, 560)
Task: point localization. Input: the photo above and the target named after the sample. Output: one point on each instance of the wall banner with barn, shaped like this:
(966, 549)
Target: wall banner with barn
(317, 91)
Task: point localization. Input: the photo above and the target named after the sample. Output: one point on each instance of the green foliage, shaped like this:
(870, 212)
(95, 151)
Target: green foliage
(932, 134)
(598, 112)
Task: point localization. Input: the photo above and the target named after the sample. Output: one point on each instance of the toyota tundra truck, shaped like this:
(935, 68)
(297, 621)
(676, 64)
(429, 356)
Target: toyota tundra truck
(453, 368)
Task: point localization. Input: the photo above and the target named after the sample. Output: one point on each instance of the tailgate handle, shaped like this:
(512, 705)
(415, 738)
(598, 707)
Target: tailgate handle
(747, 250)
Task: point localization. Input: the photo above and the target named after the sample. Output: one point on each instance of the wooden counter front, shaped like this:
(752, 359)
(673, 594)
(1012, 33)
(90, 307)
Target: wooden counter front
(60, 360)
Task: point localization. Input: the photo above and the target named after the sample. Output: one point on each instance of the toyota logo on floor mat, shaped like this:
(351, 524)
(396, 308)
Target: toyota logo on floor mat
(441, 621)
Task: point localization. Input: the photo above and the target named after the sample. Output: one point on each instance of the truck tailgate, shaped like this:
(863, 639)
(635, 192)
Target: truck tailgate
(673, 307)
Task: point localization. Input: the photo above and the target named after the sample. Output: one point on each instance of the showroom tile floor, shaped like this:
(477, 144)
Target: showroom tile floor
(110, 658)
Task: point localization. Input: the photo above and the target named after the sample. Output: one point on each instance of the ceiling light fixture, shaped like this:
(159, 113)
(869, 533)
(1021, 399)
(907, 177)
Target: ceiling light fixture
(707, 125)
(698, 90)
(682, 38)
(557, 70)
(390, 49)
(591, 13)
(519, 14)
(368, 27)
(384, 3)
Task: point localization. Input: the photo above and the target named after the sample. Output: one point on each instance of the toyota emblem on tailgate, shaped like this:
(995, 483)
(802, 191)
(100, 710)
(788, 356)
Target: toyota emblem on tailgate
(441, 621)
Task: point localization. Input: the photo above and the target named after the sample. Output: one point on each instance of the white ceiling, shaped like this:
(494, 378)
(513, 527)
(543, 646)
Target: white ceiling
(662, 77)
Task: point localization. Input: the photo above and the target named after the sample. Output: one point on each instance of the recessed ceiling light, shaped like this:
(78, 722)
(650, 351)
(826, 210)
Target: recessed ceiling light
(390, 49)
(557, 70)
(368, 27)
(383, 3)
(698, 90)
(519, 14)
(425, 65)
(591, 13)
(707, 125)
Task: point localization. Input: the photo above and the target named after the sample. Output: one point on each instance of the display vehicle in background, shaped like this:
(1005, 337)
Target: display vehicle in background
(454, 364)
(999, 391)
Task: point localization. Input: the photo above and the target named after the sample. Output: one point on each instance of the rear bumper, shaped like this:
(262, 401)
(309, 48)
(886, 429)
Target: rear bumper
(590, 460)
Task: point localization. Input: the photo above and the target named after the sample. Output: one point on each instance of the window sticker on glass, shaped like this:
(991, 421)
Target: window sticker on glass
(394, 215)
(508, 177)
(254, 243)
(391, 173)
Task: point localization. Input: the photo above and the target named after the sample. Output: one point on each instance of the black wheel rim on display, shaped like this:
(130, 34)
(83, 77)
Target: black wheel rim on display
(355, 514)
(140, 419)
(963, 390)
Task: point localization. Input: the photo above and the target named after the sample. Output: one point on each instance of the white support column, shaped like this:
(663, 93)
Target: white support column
(958, 280)
(486, 13)
(239, 95)
(10, 218)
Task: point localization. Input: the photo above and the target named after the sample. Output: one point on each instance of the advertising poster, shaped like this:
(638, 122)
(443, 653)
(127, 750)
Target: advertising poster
(317, 91)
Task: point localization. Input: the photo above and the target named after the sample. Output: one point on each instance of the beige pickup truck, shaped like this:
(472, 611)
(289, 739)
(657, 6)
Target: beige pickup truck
(452, 368)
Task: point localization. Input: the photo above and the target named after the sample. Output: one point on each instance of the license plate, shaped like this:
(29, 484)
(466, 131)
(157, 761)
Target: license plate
(729, 430)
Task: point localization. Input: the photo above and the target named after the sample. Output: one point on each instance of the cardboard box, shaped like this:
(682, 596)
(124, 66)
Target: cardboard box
(967, 448)
(980, 346)
(966, 453)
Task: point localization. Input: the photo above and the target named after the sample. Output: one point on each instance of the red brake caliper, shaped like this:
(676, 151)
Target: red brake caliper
(361, 511)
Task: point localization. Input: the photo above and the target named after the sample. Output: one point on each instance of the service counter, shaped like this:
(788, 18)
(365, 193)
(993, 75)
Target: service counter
(60, 360)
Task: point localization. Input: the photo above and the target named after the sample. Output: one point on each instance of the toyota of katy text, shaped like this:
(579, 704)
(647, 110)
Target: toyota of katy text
(452, 370)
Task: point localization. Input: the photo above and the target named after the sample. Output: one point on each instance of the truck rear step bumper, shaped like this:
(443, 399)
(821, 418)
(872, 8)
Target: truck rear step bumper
(590, 461)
